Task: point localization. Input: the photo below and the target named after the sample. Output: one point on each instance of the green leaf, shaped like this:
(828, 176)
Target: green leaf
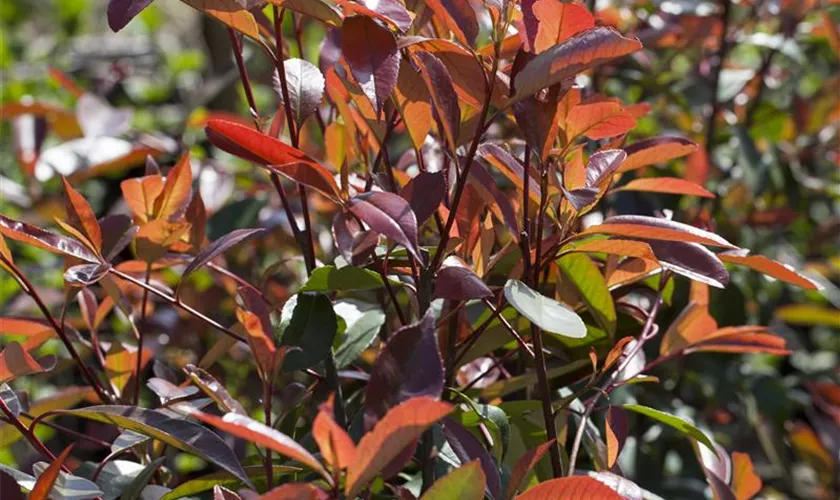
(312, 327)
(590, 284)
(227, 480)
(466, 482)
(519, 382)
(680, 424)
(332, 279)
(546, 313)
(363, 324)
(136, 487)
(181, 434)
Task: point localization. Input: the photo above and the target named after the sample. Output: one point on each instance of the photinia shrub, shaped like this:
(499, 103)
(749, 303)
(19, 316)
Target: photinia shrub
(452, 249)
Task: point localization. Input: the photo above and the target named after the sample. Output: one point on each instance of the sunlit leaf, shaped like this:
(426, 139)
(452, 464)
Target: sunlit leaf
(176, 191)
(31, 235)
(305, 84)
(770, 268)
(654, 228)
(230, 13)
(466, 482)
(412, 99)
(745, 482)
(371, 52)
(81, 215)
(809, 315)
(558, 22)
(546, 313)
(589, 283)
(389, 215)
(616, 428)
(337, 448)
(667, 185)
(570, 488)
(44, 485)
(16, 362)
(683, 426)
(598, 118)
(656, 150)
(332, 279)
(459, 17)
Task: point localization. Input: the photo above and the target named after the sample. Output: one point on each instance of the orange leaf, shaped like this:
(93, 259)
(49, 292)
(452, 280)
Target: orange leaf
(140, 194)
(771, 268)
(625, 248)
(229, 12)
(558, 22)
(598, 119)
(44, 485)
(16, 362)
(581, 52)
(630, 271)
(154, 238)
(571, 488)
(261, 344)
(525, 465)
(27, 327)
(742, 339)
(669, 185)
(615, 353)
(253, 145)
(656, 150)
(653, 228)
(691, 326)
(176, 191)
(390, 436)
(81, 215)
(616, 432)
(336, 446)
(745, 482)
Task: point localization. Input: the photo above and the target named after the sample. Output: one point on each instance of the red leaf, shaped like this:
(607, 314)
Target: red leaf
(400, 427)
(741, 339)
(390, 215)
(571, 488)
(35, 236)
(669, 185)
(486, 187)
(510, 167)
(627, 248)
(176, 191)
(524, 467)
(459, 17)
(655, 228)
(771, 268)
(81, 216)
(296, 491)
(558, 22)
(444, 99)
(371, 52)
(260, 148)
(598, 118)
(581, 52)
(656, 150)
(425, 193)
(44, 485)
(335, 444)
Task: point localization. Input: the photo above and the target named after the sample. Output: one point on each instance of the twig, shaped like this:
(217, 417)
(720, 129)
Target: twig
(140, 334)
(27, 433)
(723, 49)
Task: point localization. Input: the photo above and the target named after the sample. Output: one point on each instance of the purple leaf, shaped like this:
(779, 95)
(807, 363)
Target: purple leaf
(390, 215)
(528, 26)
(442, 91)
(121, 12)
(409, 365)
(354, 242)
(35, 236)
(456, 281)
(371, 52)
(691, 260)
(581, 198)
(218, 247)
(85, 274)
(602, 165)
(306, 87)
(487, 188)
(117, 233)
(459, 17)
(670, 227)
(425, 193)
(467, 448)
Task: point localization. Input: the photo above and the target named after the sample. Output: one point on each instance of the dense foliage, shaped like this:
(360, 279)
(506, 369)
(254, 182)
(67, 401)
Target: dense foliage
(434, 249)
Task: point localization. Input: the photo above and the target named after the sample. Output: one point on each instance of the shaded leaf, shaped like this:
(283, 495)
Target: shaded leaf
(525, 466)
(571, 488)
(306, 87)
(546, 313)
(16, 362)
(178, 433)
(121, 12)
(31, 235)
(809, 315)
(456, 281)
(691, 260)
(363, 324)
(332, 279)
(312, 328)
(218, 247)
(371, 52)
(257, 323)
(85, 274)
(668, 185)
(466, 482)
(469, 450)
(321, 10)
(400, 427)
(683, 426)
(581, 52)
(442, 92)
(255, 146)
(10, 398)
(225, 479)
(510, 167)
(97, 118)
(135, 489)
(389, 215)
(222, 493)
(214, 389)
(424, 194)
(409, 365)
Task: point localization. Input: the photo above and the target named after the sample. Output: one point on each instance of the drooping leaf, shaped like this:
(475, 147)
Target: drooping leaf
(178, 433)
(400, 427)
(44, 485)
(571, 488)
(667, 185)
(82, 216)
(230, 13)
(424, 193)
(681, 425)
(409, 365)
(581, 52)
(656, 150)
(465, 482)
(217, 248)
(655, 228)
(546, 313)
(255, 432)
(121, 12)
(332, 279)
(442, 92)
(306, 87)
(459, 17)
(588, 281)
(31, 235)
(389, 215)
(770, 268)
(371, 52)
(253, 145)
(312, 328)
(616, 428)
(456, 281)
(558, 21)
